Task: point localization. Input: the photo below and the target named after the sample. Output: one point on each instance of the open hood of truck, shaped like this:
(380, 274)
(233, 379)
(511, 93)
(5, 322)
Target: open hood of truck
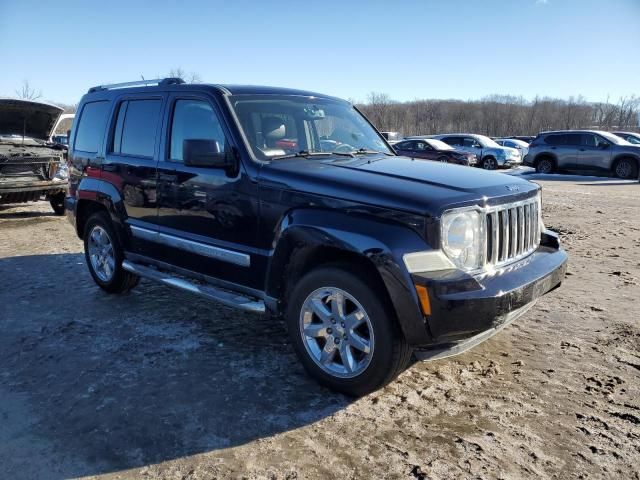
(28, 118)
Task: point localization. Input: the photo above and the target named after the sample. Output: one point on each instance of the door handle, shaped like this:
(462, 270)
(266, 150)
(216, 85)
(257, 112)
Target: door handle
(167, 177)
(553, 148)
(582, 149)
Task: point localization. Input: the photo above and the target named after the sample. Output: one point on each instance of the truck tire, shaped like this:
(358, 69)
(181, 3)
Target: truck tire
(57, 203)
(344, 332)
(104, 255)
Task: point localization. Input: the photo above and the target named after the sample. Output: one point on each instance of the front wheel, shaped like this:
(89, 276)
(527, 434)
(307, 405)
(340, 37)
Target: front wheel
(57, 203)
(626, 168)
(104, 255)
(344, 332)
(489, 163)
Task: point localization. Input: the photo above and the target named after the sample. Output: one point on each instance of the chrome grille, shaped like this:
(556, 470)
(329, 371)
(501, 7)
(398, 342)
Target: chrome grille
(512, 230)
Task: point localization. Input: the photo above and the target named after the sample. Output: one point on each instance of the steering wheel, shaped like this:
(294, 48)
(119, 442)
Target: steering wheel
(344, 148)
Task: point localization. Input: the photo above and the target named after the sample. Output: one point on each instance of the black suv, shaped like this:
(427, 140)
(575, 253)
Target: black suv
(286, 201)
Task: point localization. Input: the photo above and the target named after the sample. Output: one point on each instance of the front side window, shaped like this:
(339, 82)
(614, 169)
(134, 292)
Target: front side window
(470, 142)
(279, 125)
(574, 139)
(136, 126)
(93, 121)
(194, 120)
(455, 141)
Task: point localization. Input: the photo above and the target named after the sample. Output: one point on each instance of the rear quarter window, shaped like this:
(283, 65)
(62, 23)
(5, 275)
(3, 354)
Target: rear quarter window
(91, 126)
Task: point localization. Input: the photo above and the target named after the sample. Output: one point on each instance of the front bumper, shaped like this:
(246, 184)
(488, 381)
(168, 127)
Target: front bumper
(29, 191)
(464, 306)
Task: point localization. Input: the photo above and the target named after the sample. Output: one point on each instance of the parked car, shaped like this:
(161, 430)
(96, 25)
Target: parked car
(368, 256)
(490, 155)
(432, 149)
(522, 138)
(30, 169)
(584, 151)
(631, 137)
(520, 145)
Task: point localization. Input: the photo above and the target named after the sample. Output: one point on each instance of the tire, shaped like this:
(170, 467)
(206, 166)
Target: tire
(626, 168)
(388, 352)
(57, 203)
(101, 247)
(545, 165)
(489, 163)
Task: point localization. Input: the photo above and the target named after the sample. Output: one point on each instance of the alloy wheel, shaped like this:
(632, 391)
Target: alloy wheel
(623, 169)
(336, 332)
(101, 253)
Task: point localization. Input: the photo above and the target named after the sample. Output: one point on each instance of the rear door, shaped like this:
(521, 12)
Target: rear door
(565, 148)
(595, 153)
(131, 160)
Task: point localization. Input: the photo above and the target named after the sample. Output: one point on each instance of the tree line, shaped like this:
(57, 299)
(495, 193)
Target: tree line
(499, 115)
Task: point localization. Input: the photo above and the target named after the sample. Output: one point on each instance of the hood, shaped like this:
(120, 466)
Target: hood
(397, 183)
(28, 118)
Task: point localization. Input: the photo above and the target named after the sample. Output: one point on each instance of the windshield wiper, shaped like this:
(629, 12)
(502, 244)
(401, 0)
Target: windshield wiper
(307, 154)
(364, 151)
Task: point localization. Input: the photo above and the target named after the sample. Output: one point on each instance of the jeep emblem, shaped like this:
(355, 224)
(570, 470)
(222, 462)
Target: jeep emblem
(513, 188)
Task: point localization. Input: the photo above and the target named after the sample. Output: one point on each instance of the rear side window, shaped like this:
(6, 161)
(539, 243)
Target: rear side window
(93, 121)
(574, 139)
(454, 141)
(136, 125)
(556, 140)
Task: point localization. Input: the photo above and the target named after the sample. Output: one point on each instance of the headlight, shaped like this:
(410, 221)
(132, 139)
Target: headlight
(62, 173)
(462, 237)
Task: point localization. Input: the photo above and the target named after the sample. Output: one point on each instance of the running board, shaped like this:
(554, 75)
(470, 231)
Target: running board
(437, 353)
(225, 297)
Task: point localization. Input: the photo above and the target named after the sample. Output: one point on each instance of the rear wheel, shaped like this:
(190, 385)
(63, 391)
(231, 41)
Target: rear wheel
(489, 163)
(545, 165)
(344, 332)
(104, 255)
(57, 203)
(626, 168)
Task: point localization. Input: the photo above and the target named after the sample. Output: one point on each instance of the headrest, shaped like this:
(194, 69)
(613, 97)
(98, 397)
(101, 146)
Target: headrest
(273, 128)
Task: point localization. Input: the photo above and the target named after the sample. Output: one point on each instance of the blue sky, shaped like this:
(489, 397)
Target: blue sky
(407, 49)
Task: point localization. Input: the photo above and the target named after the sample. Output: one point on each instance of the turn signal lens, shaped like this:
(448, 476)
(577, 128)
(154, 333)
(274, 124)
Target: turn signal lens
(423, 295)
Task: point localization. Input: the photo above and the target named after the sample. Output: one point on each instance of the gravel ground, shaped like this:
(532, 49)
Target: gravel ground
(160, 384)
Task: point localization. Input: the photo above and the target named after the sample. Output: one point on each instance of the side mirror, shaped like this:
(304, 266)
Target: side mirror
(204, 153)
(603, 145)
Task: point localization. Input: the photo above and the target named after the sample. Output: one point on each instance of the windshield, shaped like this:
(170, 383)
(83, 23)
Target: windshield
(438, 144)
(280, 125)
(486, 142)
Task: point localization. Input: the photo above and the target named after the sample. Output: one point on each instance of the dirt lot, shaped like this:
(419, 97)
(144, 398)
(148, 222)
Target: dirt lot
(160, 384)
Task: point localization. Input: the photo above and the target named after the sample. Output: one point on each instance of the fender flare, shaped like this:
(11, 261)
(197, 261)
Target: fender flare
(373, 240)
(107, 195)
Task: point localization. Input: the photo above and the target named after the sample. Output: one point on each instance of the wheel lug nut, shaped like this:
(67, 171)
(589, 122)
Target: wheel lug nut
(333, 320)
(342, 323)
(344, 336)
(337, 340)
(329, 331)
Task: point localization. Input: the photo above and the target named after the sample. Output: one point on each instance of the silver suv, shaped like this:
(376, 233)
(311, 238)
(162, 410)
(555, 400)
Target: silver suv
(584, 151)
(490, 155)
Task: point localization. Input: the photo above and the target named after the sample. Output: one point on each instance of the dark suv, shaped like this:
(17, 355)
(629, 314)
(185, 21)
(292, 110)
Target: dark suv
(584, 151)
(368, 256)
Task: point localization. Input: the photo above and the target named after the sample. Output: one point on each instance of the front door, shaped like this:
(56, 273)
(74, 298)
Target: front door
(594, 153)
(207, 216)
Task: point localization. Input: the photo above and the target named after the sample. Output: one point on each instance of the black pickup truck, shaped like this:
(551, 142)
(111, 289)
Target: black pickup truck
(290, 202)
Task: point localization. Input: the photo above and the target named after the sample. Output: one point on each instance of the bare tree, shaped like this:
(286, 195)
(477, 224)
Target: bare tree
(187, 77)
(26, 92)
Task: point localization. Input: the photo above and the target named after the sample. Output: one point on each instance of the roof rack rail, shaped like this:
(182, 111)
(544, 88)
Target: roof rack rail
(139, 83)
